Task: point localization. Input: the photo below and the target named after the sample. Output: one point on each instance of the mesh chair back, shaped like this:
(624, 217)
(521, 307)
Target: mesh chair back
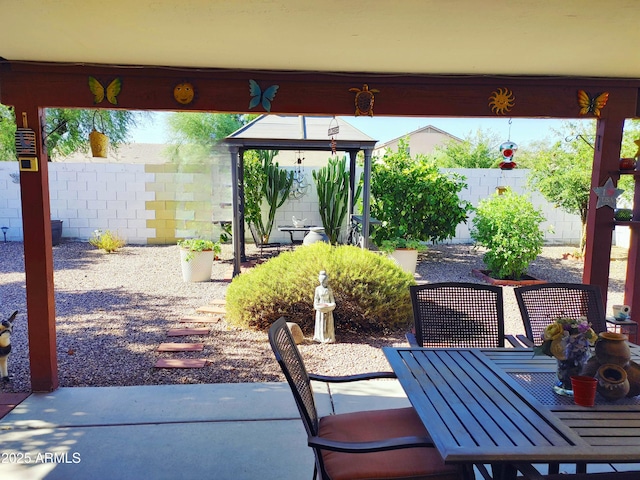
(290, 360)
(541, 304)
(458, 315)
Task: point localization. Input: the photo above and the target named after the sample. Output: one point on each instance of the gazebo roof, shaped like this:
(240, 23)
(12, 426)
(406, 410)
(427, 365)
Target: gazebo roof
(298, 132)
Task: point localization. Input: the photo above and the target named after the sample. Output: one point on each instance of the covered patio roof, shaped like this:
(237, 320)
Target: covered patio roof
(295, 132)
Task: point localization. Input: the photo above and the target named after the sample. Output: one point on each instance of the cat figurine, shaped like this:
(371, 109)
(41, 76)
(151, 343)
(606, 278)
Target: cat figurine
(5, 345)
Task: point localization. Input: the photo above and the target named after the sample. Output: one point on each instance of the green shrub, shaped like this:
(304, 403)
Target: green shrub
(371, 291)
(107, 241)
(508, 225)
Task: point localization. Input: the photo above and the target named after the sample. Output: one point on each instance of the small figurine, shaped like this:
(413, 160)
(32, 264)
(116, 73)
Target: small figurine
(6, 327)
(324, 304)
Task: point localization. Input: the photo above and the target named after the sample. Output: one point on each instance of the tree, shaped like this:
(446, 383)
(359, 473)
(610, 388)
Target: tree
(193, 135)
(477, 151)
(67, 130)
(414, 200)
(562, 171)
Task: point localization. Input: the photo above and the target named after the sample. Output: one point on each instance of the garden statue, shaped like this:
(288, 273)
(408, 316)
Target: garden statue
(324, 304)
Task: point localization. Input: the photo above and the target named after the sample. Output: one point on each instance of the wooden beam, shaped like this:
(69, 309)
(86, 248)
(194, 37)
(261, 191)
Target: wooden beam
(38, 262)
(600, 220)
(55, 85)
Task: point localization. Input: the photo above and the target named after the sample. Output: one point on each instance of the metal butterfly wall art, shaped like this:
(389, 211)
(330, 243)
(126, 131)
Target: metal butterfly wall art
(258, 96)
(589, 104)
(112, 91)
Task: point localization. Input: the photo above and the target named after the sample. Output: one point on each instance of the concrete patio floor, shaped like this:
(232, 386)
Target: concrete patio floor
(241, 431)
(216, 431)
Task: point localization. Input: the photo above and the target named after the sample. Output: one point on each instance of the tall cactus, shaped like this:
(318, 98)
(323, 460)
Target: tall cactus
(275, 189)
(332, 185)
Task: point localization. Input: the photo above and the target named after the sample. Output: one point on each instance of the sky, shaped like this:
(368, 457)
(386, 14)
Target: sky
(521, 130)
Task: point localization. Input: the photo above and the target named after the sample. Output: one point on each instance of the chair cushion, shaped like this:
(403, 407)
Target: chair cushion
(415, 463)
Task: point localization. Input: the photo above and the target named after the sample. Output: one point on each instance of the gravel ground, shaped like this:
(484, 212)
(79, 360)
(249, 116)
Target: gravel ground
(113, 310)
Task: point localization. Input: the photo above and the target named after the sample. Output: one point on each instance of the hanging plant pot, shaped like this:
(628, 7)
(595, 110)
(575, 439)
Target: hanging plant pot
(99, 143)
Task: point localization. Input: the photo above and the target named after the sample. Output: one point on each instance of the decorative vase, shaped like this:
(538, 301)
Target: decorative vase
(613, 348)
(316, 234)
(613, 383)
(576, 353)
(633, 375)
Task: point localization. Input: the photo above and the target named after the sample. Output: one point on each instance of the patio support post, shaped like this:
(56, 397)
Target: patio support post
(366, 197)
(236, 209)
(243, 255)
(600, 220)
(38, 261)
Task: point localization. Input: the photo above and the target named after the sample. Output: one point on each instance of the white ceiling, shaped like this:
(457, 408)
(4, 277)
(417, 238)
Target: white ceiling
(513, 37)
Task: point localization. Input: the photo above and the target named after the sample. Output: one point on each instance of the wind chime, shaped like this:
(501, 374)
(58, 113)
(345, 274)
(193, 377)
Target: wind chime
(333, 131)
(299, 186)
(507, 150)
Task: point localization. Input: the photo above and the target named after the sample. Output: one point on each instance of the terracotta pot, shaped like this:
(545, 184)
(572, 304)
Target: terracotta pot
(613, 383)
(613, 348)
(627, 163)
(633, 375)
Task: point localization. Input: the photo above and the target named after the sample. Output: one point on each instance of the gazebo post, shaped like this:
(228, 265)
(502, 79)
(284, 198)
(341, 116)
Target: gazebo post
(366, 197)
(234, 151)
(243, 255)
(353, 154)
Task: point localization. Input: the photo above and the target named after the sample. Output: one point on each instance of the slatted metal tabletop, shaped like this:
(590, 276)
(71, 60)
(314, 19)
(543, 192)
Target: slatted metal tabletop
(496, 406)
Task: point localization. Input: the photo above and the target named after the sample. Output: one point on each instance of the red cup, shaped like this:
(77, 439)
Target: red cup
(584, 390)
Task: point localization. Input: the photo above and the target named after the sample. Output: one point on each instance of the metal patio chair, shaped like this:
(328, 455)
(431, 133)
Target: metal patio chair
(376, 444)
(269, 246)
(457, 314)
(541, 304)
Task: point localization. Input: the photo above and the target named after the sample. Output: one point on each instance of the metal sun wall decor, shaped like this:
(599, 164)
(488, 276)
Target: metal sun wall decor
(364, 100)
(259, 96)
(184, 93)
(502, 101)
(607, 194)
(111, 92)
(592, 104)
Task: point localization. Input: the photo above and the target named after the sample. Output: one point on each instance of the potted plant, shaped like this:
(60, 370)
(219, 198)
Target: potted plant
(196, 258)
(403, 251)
(414, 201)
(508, 226)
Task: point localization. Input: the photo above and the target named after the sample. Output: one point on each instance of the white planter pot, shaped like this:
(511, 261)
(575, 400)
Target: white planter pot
(406, 258)
(199, 266)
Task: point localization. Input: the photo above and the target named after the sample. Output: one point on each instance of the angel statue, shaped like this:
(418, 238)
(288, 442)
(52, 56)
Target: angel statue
(324, 304)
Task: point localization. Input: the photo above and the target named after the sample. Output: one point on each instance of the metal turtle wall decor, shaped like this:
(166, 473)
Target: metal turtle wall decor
(364, 100)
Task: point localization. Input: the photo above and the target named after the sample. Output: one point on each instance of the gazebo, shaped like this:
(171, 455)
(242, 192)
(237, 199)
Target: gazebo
(294, 132)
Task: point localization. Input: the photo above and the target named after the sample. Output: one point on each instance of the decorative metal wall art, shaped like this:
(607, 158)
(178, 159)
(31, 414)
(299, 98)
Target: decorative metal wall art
(112, 91)
(184, 93)
(501, 101)
(364, 100)
(258, 96)
(607, 194)
(300, 185)
(592, 104)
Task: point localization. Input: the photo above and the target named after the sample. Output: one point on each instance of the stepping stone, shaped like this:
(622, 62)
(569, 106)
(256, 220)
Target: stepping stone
(199, 319)
(183, 332)
(218, 301)
(212, 310)
(180, 363)
(180, 347)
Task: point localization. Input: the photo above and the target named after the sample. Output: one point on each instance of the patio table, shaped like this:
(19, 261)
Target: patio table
(291, 229)
(497, 406)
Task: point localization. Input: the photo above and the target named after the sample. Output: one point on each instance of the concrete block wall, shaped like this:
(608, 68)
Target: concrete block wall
(158, 204)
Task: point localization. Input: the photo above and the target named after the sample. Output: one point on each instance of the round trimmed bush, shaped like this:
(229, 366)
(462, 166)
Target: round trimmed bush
(371, 291)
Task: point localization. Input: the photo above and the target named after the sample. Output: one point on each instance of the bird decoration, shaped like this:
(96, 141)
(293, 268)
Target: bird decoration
(592, 104)
(112, 91)
(259, 96)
